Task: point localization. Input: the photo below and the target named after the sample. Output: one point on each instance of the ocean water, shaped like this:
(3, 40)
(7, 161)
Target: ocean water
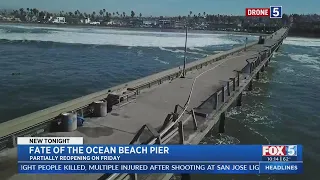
(44, 66)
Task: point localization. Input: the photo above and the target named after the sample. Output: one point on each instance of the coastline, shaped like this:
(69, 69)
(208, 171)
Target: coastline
(151, 29)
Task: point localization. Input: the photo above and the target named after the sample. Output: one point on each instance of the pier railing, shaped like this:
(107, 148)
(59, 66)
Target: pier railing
(174, 124)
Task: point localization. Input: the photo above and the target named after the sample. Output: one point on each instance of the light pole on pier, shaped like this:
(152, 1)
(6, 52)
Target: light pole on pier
(245, 46)
(185, 54)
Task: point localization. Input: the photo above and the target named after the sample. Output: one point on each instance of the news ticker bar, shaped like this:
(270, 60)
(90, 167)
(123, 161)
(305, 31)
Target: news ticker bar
(177, 168)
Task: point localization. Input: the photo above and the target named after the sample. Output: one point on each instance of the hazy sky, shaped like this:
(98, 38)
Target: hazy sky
(165, 7)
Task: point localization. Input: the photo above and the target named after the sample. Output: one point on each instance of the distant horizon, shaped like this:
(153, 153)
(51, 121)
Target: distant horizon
(128, 13)
(165, 7)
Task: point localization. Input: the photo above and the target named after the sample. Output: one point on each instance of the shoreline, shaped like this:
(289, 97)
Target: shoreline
(294, 35)
(148, 29)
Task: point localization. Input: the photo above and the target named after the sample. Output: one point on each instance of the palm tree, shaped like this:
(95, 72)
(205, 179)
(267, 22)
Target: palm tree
(21, 11)
(204, 13)
(124, 14)
(190, 13)
(113, 13)
(132, 14)
(199, 15)
(140, 15)
(35, 11)
(117, 13)
(101, 12)
(76, 13)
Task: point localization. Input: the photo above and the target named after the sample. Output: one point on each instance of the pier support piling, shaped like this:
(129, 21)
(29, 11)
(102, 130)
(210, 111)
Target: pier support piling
(181, 133)
(250, 86)
(251, 67)
(194, 120)
(233, 83)
(228, 88)
(239, 99)
(13, 142)
(257, 76)
(222, 122)
(262, 68)
(238, 76)
(216, 103)
(222, 94)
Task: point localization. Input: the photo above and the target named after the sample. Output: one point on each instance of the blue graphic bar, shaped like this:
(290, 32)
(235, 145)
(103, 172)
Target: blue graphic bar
(125, 153)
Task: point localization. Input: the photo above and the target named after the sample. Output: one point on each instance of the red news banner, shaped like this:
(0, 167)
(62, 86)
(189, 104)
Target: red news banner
(258, 12)
(272, 12)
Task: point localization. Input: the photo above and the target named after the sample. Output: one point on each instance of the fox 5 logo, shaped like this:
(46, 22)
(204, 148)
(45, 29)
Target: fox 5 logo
(275, 11)
(276, 150)
(291, 150)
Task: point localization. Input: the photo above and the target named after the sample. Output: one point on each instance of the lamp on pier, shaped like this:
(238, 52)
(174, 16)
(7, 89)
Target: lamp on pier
(185, 54)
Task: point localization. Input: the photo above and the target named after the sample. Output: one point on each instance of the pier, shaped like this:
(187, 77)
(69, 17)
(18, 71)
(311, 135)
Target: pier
(159, 109)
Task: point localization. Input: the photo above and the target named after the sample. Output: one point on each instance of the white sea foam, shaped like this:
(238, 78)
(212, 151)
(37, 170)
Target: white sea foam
(163, 62)
(307, 60)
(226, 139)
(316, 67)
(119, 37)
(140, 53)
(256, 132)
(170, 50)
(196, 49)
(287, 69)
(233, 112)
(182, 51)
(302, 41)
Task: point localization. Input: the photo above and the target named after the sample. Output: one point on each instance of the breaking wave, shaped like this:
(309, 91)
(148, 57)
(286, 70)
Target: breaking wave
(287, 69)
(307, 60)
(163, 62)
(111, 37)
(302, 41)
(182, 51)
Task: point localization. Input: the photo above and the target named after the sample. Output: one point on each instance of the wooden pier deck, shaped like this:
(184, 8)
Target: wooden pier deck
(204, 95)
